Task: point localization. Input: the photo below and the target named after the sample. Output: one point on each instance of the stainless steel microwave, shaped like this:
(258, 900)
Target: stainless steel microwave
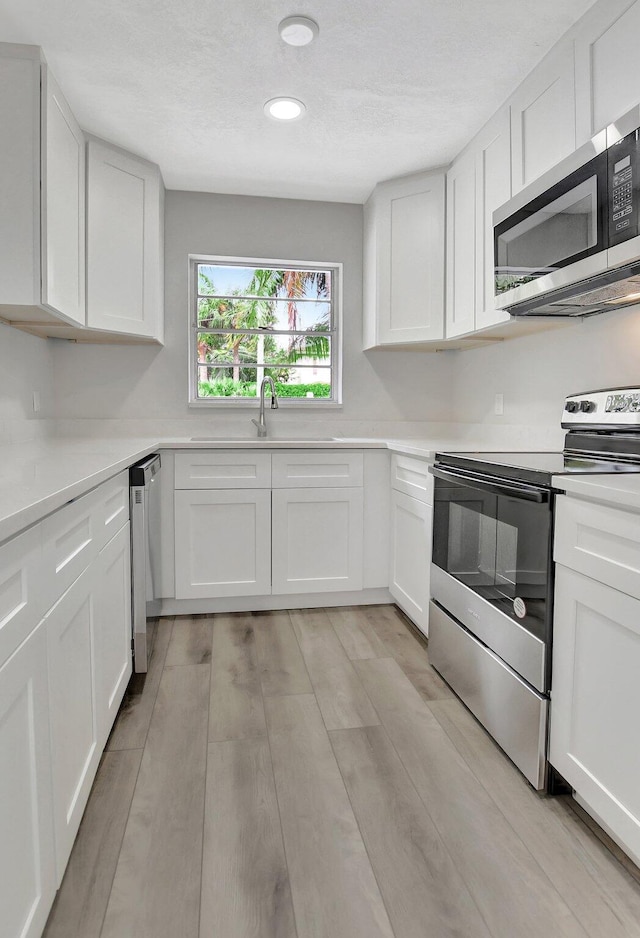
(569, 244)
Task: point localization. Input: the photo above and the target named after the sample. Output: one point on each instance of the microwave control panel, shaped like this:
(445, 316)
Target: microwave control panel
(624, 187)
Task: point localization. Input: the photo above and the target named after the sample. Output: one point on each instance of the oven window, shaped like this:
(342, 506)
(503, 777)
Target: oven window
(496, 545)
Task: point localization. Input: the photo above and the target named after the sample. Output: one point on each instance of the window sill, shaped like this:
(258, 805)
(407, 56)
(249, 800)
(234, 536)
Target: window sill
(251, 404)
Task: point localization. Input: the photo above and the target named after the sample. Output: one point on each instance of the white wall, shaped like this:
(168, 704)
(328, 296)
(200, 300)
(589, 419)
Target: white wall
(150, 384)
(26, 365)
(536, 373)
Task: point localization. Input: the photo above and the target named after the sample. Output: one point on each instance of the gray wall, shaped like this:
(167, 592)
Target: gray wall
(139, 383)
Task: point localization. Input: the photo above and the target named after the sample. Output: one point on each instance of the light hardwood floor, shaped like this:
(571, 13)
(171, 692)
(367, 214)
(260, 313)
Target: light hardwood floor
(309, 775)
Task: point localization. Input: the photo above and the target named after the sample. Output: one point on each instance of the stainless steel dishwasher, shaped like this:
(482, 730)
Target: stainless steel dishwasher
(144, 496)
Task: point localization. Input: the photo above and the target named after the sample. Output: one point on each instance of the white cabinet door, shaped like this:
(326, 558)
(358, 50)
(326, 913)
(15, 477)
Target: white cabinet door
(409, 251)
(27, 857)
(595, 701)
(71, 643)
(461, 245)
(411, 524)
(63, 204)
(223, 543)
(607, 74)
(492, 147)
(317, 541)
(543, 123)
(124, 239)
(113, 629)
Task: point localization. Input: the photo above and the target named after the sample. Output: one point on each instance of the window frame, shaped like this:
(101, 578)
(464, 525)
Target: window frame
(336, 268)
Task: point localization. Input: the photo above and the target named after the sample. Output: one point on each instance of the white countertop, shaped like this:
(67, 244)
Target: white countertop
(39, 477)
(617, 489)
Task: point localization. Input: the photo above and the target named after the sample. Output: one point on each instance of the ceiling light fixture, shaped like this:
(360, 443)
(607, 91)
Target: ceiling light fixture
(284, 109)
(298, 30)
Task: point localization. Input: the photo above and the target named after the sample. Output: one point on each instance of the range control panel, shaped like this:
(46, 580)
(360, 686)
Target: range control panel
(617, 407)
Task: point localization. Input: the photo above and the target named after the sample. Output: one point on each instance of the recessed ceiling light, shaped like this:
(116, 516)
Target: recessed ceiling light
(298, 30)
(284, 109)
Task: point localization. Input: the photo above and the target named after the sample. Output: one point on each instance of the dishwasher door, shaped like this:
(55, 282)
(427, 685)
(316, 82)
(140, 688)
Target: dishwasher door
(144, 495)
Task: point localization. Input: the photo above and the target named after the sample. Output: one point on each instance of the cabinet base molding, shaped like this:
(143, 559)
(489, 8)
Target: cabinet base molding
(197, 607)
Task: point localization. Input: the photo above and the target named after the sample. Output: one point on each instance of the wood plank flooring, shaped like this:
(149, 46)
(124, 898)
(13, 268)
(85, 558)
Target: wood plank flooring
(309, 775)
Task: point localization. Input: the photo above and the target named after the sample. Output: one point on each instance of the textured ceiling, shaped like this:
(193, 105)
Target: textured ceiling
(390, 87)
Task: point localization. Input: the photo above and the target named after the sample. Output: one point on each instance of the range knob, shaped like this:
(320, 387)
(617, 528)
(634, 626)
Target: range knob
(587, 407)
(572, 406)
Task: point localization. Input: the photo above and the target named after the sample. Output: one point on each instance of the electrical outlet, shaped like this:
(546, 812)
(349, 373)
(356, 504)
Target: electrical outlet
(36, 402)
(498, 405)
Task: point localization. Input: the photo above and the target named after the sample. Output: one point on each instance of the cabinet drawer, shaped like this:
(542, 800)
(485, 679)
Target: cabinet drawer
(599, 541)
(412, 477)
(229, 469)
(113, 508)
(22, 603)
(313, 469)
(71, 541)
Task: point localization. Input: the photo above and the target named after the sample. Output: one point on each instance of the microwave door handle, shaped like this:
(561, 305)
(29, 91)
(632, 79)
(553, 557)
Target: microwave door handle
(490, 484)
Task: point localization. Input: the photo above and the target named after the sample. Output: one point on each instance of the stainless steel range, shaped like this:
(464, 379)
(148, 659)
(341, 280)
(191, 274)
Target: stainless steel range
(491, 614)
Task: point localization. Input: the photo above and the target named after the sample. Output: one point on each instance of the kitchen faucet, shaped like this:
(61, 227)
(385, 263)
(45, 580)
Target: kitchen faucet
(260, 423)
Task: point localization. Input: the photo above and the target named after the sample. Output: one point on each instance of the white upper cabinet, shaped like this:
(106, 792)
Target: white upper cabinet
(478, 182)
(42, 227)
(461, 245)
(543, 121)
(492, 148)
(607, 74)
(63, 205)
(124, 242)
(404, 261)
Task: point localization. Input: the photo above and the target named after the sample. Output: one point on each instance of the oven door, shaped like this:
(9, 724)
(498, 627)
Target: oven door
(558, 238)
(492, 564)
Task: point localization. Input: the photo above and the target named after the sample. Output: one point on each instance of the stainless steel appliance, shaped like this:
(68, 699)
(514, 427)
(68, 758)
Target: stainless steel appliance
(491, 614)
(569, 244)
(144, 496)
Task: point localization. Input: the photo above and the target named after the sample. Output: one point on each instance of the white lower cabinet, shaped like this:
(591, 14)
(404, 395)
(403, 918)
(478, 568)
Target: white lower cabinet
(71, 645)
(411, 524)
(317, 543)
(223, 543)
(595, 700)
(113, 659)
(27, 856)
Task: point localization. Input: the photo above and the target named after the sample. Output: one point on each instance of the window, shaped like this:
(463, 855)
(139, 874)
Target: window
(251, 319)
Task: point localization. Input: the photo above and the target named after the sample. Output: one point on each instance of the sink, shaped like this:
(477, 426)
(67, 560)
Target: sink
(268, 441)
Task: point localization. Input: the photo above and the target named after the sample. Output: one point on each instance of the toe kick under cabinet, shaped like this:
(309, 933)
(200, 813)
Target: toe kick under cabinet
(254, 523)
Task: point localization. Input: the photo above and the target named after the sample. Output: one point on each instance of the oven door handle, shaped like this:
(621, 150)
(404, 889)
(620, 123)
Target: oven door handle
(490, 484)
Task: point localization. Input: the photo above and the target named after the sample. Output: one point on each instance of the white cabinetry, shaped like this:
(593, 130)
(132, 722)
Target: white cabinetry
(404, 261)
(543, 121)
(71, 643)
(27, 857)
(461, 245)
(250, 523)
(317, 541)
(411, 529)
(595, 693)
(63, 205)
(113, 664)
(478, 182)
(124, 242)
(607, 75)
(42, 189)
(62, 678)
(223, 543)
(492, 148)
